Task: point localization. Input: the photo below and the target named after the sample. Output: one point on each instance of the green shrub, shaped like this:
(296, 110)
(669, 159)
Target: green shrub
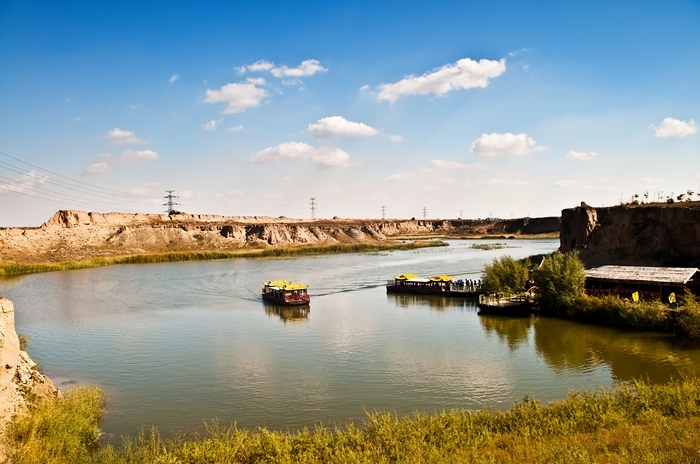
(505, 275)
(560, 282)
(688, 317)
(613, 311)
(57, 430)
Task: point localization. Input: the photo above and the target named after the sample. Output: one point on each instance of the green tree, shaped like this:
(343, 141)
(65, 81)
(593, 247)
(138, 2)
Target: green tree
(505, 275)
(560, 281)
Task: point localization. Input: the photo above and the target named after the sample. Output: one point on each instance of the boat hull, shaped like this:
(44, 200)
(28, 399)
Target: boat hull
(430, 291)
(283, 302)
(524, 309)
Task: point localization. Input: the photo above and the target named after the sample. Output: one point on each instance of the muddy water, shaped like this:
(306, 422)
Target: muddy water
(176, 344)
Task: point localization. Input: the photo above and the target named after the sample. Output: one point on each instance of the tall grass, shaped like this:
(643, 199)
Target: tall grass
(636, 422)
(57, 430)
(16, 269)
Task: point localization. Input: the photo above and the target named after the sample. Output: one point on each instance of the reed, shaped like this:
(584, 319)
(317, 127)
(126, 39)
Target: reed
(634, 422)
(17, 269)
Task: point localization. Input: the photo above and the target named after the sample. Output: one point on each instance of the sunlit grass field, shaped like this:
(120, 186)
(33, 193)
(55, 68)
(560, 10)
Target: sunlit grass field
(16, 269)
(632, 423)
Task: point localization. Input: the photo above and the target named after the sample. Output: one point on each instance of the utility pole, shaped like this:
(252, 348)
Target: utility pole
(460, 214)
(383, 212)
(313, 207)
(171, 201)
(425, 213)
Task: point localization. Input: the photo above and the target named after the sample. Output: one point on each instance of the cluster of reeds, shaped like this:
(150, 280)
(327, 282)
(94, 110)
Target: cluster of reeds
(488, 246)
(16, 269)
(635, 422)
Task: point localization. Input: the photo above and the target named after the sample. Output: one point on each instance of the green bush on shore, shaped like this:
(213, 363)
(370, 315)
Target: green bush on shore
(505, 274)
(560, 282)
(635, 422)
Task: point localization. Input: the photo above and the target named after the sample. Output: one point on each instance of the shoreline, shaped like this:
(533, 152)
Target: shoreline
(20, 268)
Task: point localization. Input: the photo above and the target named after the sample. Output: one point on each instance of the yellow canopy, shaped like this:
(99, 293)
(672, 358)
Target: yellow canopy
(285, 285)
(291, 286)
(405, 276)
(442, 278)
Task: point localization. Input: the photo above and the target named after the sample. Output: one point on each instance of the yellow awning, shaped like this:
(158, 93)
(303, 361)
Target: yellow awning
(442, 278)
(291, 286)
(405, 276)
(276, 283)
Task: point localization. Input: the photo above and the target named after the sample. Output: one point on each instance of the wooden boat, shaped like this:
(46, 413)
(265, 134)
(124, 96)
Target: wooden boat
(285, 293)
(507, 305)
(443, 285)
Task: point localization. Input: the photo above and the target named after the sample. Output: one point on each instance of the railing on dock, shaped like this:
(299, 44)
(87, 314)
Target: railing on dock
(501, 299)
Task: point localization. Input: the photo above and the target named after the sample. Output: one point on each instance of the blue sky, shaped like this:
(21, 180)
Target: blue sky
(484, 108)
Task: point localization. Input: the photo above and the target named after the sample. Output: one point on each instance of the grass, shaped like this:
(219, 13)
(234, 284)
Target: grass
(489, 246)
(632, 423)
(17, 269)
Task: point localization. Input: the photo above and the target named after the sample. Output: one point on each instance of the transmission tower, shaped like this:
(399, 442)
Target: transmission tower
(460, 214)
(425, 212)
(383, 212)
(313, 207)
(171, 201)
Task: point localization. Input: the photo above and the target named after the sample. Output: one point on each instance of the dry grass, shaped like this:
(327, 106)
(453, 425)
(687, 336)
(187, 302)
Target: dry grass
(18, 268)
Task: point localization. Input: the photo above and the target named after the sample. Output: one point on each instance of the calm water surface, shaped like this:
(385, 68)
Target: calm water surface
(176, 344)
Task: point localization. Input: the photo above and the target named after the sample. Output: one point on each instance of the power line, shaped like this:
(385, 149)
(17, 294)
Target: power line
(171, 201)
(313, 207)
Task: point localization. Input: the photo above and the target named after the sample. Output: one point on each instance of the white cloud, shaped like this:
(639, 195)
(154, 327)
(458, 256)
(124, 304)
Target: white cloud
(290, 82)
(457, 166)
(396, 138)
(401, 177)
(24, 183)
(260, 65)
(118, 136)
(211, 125)
(652, 180)
(145, 189)
(78, 118)
(257, 80)
(566, 183)
(235, 129)
(306, 68)
(581, 155)
(464, 74)
(671, 127)
(238, 97)
(173, 78)
(497, 183)
(97, 168)
(324, 157)
(137, 155)
(338, 126)
(364, 87)
(492, 145)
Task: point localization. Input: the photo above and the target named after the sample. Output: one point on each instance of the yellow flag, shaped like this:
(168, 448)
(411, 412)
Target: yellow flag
(672, 297)
(635, 297)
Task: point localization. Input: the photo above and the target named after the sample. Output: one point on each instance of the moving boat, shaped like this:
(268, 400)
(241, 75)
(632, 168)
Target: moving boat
(285, 293)
(439, 285)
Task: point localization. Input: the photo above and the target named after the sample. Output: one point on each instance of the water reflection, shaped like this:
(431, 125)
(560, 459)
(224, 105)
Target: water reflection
(513, 331)
(288, 313)
(568, 346)
(433, 302)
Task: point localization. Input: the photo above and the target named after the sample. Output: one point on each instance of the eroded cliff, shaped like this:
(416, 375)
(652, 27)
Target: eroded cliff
(73, 235)
(19, 377)
(643, 235)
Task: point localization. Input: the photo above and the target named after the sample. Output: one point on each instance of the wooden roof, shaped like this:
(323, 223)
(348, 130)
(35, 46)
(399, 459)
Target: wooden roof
(643, 274)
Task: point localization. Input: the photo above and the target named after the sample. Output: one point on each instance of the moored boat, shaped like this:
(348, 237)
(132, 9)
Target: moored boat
(439, 285)
(285, 293)
(520, 305)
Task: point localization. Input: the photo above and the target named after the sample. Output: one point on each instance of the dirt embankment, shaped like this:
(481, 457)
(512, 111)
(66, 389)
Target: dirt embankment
(75, 235)
(642, 235)
(20, 380)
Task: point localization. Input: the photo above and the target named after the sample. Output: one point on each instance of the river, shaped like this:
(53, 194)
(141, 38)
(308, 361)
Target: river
(176, 344)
